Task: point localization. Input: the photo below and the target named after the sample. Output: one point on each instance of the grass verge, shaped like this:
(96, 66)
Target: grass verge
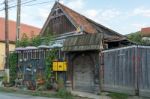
(29, 92)
(118, 96)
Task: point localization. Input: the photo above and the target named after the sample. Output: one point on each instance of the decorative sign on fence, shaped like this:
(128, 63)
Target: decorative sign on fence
(59, 66)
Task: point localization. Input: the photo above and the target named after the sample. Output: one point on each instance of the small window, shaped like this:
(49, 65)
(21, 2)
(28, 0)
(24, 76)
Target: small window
(59, 11)
(56, 20)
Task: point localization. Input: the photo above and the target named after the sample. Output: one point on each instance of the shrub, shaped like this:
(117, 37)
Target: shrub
(63, 93)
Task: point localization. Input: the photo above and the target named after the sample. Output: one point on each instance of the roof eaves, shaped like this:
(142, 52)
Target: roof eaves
(104, 27)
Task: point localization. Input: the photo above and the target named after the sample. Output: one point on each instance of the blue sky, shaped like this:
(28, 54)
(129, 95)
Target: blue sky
(123, 16)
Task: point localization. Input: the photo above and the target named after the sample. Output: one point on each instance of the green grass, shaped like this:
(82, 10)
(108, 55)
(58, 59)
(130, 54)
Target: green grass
(62, 93)
(118, 96)
(29, 92)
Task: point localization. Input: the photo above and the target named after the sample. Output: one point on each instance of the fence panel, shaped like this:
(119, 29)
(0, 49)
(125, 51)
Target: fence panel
(119, 70)
(144, 71)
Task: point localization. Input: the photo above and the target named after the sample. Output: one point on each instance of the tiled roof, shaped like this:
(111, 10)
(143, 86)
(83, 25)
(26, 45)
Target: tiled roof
(30, 31)
(89, 26)
(79, 20)
(145, 32)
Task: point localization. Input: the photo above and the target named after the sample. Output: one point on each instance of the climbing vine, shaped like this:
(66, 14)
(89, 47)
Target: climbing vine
(34, 41)
(51, 56)
(12, 67)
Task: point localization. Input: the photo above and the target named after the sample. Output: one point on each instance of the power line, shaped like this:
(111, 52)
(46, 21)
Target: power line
(16, 4)
(38, 3)
(28, 4)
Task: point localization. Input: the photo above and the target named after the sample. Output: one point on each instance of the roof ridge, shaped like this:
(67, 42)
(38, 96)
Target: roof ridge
(82, 18)
(90, 20)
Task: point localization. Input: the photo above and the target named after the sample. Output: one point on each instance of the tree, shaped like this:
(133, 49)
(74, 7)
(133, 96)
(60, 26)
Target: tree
(137, 38)
(34, 41)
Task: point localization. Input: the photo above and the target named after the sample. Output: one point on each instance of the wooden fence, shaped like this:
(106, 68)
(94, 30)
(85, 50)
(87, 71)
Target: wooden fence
(144, 71)
(127, 70)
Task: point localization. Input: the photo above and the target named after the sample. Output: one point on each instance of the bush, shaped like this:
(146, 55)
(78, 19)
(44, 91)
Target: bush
(63, 93)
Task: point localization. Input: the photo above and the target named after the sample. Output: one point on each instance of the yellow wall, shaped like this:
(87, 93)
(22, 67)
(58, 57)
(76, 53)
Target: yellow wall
(2, 53)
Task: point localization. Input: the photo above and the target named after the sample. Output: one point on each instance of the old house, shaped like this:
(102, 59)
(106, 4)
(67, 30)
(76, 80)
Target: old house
(27, 30)
(82, 39)
(145, 33)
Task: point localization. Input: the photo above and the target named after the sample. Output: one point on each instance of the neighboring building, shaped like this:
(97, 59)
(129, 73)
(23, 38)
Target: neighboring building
(145, 33)
(82, 39)
(27, 30)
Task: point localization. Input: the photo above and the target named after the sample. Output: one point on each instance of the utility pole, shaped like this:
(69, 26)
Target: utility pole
(18, 19)
(6, 36)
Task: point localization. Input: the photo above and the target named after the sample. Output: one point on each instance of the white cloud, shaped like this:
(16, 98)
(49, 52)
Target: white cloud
(102, 14)
(44, 12)
(74, 4)
(138, 26)
(142, 11)
(91, 13)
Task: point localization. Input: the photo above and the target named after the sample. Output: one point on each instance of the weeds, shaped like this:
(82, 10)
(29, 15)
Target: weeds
(63, 93)
(118, 96)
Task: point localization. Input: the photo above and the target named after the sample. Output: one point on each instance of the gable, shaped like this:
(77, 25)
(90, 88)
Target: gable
(59, 25)
(79, 20)
(81, 23)
(57, 22)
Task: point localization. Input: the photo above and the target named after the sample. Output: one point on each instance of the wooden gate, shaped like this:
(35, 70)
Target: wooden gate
(83, 76)
(127, 70)
(119, 70)
(144, 70)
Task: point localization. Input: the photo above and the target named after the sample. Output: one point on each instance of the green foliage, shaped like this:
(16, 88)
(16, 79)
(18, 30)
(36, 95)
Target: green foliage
(118, 96)
(51, 56)
(61, 83)
(46, 39)
(5, 78)
(63, 93)
(23, 42)
(34, 41)
(137, 38)
(41, 88)
(12, 67)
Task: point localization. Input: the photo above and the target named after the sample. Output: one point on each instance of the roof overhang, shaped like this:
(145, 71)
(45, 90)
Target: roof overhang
(85, 42)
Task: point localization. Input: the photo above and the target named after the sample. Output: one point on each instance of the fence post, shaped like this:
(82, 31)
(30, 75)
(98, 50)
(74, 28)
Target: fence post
(136, 70)
(101, 77)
